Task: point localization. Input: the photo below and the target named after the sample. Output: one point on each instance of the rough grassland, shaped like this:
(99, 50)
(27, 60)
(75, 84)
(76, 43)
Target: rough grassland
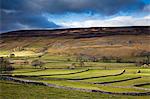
(8, 91)
(106, 46)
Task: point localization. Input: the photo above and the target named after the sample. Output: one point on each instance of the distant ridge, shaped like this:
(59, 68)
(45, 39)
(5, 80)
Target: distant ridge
(80, 32)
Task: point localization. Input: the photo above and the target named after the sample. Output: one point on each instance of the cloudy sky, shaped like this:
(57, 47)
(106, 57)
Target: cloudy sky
(39, 14)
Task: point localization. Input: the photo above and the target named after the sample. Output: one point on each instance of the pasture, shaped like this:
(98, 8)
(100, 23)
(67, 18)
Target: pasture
(107, 77)
(90, 68)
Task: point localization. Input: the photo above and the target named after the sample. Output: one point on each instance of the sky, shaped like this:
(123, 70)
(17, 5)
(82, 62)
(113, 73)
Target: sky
(51, 14)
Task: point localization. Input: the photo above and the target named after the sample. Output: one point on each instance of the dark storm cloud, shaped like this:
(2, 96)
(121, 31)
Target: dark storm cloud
(18, 14)
(63, 6)
(27, 23)
(107, 7)
(28, 13)
(12, 20)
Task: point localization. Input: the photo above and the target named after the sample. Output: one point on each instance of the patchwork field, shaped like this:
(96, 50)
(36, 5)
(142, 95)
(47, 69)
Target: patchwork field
(71, 67)
(9, 92)
(108, 77)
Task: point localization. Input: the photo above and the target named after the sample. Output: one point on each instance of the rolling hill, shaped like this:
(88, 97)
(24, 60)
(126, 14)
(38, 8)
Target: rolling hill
(95, 41)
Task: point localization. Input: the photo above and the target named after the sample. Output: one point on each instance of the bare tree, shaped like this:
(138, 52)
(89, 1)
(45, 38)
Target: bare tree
(118, 60)
(5, 64)
(147, 55)
(73, 65)
(37, 63)
(81, 64)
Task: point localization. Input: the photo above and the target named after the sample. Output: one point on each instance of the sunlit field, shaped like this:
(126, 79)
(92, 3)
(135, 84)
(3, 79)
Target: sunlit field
(108, 77)
(86, 68)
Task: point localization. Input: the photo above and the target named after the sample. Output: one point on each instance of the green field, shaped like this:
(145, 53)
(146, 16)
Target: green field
(8, 91)
(108, 76)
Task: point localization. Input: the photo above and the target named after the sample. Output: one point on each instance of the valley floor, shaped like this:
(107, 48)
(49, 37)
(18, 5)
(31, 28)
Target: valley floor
(13, 90)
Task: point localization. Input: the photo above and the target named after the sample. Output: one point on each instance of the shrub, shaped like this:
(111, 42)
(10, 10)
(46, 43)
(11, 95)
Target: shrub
(105, 59)
(147, 55)
(37, 63)
(12, 55)
(5, 64)
(81, 64)
(68, 59)
(72, 66)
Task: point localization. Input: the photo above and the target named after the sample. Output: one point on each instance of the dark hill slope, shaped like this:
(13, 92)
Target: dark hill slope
(80, 32)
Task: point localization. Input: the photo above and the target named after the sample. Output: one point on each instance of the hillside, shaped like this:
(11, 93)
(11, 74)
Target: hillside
(81, 32)
(96, 41)
(110, 62)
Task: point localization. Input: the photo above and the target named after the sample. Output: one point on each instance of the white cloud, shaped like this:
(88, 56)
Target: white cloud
(22, 26)
(8, 11)
(115, 21)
